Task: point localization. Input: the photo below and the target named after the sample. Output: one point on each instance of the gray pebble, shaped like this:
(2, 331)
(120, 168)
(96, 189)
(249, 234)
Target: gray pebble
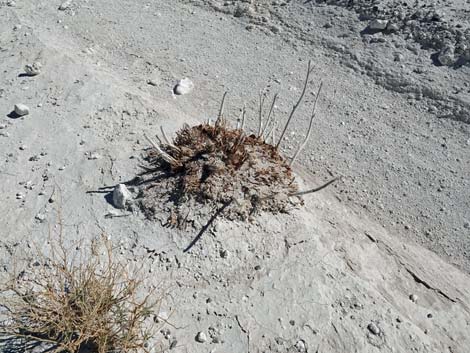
(413, 298)
(392, 27)
(373, 328)
(446, 56)
(33, 69)
(223, 254)
(378, 24)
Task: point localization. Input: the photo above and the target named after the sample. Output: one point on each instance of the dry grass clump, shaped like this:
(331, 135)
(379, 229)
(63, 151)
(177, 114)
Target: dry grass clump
(214, 166)
(82, 304)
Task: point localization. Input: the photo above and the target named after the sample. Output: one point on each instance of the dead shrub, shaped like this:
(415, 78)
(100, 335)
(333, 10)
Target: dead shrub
(83, 303)
(213, 166)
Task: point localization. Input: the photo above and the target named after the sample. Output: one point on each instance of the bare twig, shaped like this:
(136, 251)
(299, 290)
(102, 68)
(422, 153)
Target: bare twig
(296, 105)
(262, 98)
(221, 111)
(243, 117)
(302, 145)
(162, 153)
(268, 119)
(305, 192)
(311, 191)
(167, 140)
(273, 128)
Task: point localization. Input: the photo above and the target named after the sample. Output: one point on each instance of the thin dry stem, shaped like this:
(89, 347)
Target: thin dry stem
(163, 154)
(296, 105)
(268, 119)
(312, 117)
(167, 140)
(311, 191)
(221, 111)
(262, 98)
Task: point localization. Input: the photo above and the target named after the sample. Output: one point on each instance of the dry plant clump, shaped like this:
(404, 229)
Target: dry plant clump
(213, 166)
(81, 303)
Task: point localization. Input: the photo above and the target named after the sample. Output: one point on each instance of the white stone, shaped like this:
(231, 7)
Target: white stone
(65, 5)
(21, 109)
(378, 24)
(34, 69)
(184, 86)
(201, 337)
(94, 155)
(373, 328)
(121, 196)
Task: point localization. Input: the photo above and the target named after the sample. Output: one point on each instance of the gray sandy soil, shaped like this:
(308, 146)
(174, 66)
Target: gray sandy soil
(333, 276)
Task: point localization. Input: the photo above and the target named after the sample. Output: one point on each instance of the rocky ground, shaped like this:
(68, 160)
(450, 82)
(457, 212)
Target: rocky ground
(352, 269)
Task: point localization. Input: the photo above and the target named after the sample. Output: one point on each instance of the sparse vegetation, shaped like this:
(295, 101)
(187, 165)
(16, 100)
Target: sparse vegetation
(83, 303)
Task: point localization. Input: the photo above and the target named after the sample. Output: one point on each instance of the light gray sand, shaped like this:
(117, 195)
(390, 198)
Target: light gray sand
(321, 279)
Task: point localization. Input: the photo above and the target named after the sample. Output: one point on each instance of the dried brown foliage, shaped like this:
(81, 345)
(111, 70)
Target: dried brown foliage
(216, 167)
(216, 164)
(88, 303)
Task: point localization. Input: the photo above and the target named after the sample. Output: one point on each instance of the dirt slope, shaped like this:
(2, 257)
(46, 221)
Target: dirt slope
(311, 281)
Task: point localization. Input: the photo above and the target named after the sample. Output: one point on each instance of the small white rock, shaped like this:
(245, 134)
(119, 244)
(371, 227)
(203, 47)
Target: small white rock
(33, 70)
(373, 328)
(21, 109)
(183, 86)
(413, 298)
(121, 195)
(94, 155)
(201, 337)
(152, 82)
(65, 5)
(40, 217)
(378, 24)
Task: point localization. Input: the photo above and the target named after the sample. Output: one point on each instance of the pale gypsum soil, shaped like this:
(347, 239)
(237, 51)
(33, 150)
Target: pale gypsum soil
(312, 280)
